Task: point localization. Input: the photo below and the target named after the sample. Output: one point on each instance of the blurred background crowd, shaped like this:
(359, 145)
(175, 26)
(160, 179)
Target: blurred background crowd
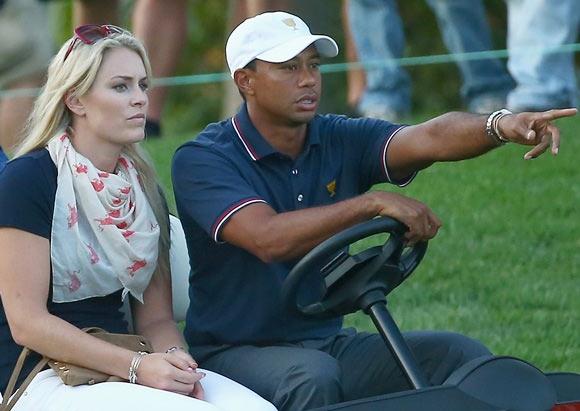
(517, 54)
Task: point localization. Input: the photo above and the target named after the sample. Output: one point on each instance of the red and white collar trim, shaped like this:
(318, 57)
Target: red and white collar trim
(249, 149)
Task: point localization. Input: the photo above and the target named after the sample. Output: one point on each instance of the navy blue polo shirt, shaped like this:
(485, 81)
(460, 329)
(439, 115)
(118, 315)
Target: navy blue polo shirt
(235, 297)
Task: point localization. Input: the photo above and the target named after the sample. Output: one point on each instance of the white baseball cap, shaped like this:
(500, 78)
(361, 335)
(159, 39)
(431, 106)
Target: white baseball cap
(274, 37)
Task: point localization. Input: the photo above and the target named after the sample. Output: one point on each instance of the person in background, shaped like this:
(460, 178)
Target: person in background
(25, 51)
(544, 79)
(464, 28)
(81, 202)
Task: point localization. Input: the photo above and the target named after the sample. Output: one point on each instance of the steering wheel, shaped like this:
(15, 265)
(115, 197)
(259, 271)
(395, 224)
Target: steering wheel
(347, 280)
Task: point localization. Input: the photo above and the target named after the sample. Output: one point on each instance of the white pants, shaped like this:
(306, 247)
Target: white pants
(47, 393)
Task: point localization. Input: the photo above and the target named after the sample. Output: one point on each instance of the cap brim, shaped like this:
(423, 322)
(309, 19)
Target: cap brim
(326, 46)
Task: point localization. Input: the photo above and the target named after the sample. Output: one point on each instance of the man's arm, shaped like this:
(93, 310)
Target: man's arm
(458, 136)
(270, 236)
(213, 184)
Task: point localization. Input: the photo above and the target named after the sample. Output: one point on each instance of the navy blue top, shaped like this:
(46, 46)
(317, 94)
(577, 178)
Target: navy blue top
(235, 297)
(27, 193)
(3, 159)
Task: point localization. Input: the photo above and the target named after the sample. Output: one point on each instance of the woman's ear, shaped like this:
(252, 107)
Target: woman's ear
(74, 104)
(244, 80)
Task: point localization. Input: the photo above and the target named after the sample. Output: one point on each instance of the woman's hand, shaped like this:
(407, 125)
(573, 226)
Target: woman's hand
(197, 391)
(175, 372)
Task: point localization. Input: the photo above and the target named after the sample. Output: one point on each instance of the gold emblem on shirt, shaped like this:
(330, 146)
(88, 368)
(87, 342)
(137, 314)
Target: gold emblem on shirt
(331, 188)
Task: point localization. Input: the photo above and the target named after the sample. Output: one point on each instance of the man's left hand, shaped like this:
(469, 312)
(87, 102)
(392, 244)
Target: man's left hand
(534, 129)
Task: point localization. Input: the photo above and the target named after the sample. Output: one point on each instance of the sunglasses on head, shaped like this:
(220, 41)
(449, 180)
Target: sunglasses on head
(91, 33)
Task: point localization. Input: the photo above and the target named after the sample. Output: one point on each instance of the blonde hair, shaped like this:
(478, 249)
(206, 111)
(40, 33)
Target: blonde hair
(50, 117)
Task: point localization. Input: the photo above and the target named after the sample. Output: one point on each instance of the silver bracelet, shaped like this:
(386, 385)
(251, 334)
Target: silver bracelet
(501, 113)
(492, 127)
(135, 362)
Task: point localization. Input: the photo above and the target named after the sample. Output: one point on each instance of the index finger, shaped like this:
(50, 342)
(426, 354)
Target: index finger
(187, 377)
(559, 113)
(180, 361)
(184, 355)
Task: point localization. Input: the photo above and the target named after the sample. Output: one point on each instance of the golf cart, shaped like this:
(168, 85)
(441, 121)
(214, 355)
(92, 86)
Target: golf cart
(362, 281)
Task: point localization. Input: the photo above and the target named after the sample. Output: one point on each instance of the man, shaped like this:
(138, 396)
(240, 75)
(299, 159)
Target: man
(258, 191)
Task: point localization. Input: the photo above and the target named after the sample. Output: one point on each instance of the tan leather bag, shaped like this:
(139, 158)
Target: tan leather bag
(71, 374)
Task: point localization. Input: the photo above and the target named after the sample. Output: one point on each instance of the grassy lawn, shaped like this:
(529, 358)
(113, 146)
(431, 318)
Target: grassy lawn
(505, 268)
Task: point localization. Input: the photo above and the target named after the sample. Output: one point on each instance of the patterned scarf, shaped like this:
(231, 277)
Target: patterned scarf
(105, 236)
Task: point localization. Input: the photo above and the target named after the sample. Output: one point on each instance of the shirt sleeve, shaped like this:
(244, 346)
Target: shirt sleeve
(208, 188)
(366, 143)
(26, 197)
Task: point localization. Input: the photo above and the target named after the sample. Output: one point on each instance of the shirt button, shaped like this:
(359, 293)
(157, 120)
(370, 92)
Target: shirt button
(295, 172)
(300, 197)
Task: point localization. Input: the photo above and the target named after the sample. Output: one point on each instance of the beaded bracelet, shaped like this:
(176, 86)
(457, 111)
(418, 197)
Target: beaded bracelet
(135, 362)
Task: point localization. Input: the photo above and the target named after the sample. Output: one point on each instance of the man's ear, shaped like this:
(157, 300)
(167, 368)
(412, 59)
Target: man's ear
(244, 79)
(74, 104)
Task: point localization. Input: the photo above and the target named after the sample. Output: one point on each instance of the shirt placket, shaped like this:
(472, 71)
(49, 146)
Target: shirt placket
(299, 181)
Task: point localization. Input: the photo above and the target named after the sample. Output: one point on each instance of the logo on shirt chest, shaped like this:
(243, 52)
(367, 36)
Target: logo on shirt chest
(331, 188)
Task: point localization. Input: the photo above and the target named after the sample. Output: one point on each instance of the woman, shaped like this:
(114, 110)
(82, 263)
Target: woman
(83, 223)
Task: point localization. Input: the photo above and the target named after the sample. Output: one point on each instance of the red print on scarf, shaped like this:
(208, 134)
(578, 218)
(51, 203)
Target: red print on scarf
(94, 256)
(124, 163)
(74, 283)
(127, 234)
(117, 201)
(103, 174)
(73, 215)
(125, 190)
(81, 168)
(115, 213)
(136, 266)
(122, 225)
(98, 185)
(105, 221)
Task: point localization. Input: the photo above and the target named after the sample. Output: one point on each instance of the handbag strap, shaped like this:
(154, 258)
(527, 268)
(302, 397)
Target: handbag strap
(6, 404)
(8, 400)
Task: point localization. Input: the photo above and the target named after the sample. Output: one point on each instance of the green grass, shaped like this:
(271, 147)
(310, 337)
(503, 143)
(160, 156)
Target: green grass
(505, 267)
(161, 151)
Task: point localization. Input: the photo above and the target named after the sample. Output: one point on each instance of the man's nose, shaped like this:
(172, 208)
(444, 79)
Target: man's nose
(307, 77)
